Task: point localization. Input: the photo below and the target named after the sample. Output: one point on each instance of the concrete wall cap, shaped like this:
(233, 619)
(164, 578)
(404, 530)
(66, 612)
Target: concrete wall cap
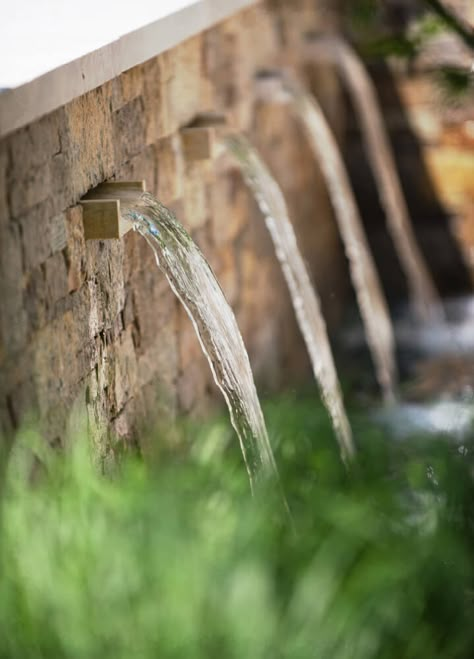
(54, 51)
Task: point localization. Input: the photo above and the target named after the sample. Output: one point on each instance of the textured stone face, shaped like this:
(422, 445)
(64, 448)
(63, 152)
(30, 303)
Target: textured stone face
(93, 328)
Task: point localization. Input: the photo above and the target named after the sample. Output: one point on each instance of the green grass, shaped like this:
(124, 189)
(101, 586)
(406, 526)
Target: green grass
(176, 560)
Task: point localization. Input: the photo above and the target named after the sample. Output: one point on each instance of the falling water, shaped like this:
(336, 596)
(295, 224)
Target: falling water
(195, 285)
(305, 301)
(424, 297)
(373, 308)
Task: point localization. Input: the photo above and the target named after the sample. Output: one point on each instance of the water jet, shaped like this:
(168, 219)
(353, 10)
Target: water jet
(426, 303)
(371, 300)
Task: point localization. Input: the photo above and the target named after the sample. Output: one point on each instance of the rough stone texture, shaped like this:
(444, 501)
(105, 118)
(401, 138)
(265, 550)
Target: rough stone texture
(93, 328)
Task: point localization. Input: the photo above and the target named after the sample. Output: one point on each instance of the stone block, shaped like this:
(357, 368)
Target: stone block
(229, 202)
(58, 233)
(192, 385)
(97, 323)
(4, 209)
(159, 363)
(129, 316)
(184, 90)
(171, 171)
(261, 290)
(129, 130)
(160, 408)
(152, 100)
(127, 87)
(22, 402)
(13, 320)
(140, 167)
(195, 198)
(56, 278)
(104, 265)
(125, 370)
(75, 249)
(177, 208)
(90, 139)
(43, 233)
(7, 428)
(154, 303)
(35, 144)
(265, 356)
(189, 347)
(137, 256)
(123, 431)
(30, 189)
(220, 63)
(62, 183)
(36, 247)
(54, 364)
(35, 300)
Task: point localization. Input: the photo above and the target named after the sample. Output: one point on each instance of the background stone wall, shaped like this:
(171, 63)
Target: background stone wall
(93, 327)
(432, 134)
(433, 141)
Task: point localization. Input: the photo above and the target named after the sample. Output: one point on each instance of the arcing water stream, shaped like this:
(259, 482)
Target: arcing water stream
(194, 283)
(304, 298)
(373, 308)
(425, 301)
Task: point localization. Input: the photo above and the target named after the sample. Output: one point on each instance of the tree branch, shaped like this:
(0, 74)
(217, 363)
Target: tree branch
(452, 20)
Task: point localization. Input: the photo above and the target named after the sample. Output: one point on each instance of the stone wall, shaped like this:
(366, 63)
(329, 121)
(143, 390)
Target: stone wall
(94, 326)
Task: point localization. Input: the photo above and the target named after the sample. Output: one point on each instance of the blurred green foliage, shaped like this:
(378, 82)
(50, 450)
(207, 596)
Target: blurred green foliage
(377, 34)
(174, 559)
(455, 84)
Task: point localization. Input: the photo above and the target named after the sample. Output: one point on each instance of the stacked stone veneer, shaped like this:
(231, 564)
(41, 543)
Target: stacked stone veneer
(93, 327)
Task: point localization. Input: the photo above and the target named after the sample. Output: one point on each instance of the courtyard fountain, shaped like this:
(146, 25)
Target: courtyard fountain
(304, 296)
(373, 308)
(195, 285)
(115, 207)
(425, 301)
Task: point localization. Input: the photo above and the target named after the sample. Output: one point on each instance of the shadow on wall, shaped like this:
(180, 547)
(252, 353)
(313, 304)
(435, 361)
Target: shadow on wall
(431, 221)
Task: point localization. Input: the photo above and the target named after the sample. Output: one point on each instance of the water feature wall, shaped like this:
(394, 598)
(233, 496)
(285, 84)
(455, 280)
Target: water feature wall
(192, 281)
(370, 298)
(304, 295)
(425, 302)
(93, 325)
(432, 135)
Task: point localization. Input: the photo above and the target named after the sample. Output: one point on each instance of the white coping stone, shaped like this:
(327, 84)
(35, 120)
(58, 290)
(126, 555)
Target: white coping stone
(52, 51)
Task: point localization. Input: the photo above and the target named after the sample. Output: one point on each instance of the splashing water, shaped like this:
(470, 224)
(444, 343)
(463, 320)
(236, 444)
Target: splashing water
(373, 308)
(425, 301)
(305, 301)
(194, 283)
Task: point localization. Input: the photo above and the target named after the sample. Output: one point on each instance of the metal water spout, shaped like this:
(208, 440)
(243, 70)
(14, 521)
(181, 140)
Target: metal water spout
(103, 206)
(269, 86)
(110, 210)
(102, 209)
(201, 139)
